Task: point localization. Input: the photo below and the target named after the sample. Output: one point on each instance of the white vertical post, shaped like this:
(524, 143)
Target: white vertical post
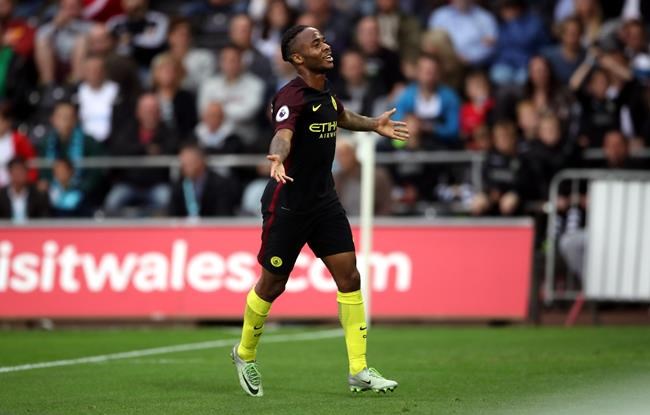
(366, 154)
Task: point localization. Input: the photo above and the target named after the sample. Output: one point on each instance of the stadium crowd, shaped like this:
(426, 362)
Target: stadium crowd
(530, 84)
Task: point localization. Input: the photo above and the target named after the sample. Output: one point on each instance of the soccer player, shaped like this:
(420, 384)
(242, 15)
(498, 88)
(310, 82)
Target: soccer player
(300, 206)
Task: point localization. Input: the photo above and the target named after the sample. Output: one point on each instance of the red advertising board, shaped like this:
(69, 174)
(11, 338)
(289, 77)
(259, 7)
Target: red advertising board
(427, 271)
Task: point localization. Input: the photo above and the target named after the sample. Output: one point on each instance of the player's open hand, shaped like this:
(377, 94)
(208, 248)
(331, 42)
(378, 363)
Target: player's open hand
(277, 169)
(395, 130)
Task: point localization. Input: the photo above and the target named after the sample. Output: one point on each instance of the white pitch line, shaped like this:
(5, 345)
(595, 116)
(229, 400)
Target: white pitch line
(279, 338)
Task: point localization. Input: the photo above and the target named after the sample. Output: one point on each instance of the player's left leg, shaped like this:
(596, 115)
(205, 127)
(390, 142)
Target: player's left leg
(343, 268)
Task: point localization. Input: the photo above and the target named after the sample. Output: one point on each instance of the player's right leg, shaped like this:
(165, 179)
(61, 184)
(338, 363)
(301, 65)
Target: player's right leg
(282, 240)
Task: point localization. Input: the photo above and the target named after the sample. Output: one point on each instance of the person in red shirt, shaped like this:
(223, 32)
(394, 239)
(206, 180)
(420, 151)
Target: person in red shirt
(16, 33)
(13, 144)
(476, 111)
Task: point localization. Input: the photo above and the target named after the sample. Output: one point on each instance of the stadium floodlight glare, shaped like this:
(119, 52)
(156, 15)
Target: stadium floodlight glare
(366, 153)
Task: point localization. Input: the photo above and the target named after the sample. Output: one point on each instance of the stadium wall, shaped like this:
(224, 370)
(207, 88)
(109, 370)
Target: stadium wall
(450, 269)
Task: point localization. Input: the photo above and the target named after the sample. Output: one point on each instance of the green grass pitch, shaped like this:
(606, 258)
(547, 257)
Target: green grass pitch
(458, 370)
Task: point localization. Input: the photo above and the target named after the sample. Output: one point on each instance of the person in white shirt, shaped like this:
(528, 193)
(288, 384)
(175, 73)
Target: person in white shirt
(97, 97)
(241, 93)
(199, 64)
(56, 39)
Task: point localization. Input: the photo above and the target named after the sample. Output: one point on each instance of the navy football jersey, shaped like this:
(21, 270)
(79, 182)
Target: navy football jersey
(312, 115)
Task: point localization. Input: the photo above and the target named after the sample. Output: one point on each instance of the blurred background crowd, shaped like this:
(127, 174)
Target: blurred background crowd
(532, 86)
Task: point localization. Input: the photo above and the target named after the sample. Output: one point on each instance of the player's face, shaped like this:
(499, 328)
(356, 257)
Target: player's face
(314, 51)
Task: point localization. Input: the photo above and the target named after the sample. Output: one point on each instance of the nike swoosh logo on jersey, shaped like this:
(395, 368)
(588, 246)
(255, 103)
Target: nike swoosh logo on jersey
(363, 328)
(315, 107)
(257, 328)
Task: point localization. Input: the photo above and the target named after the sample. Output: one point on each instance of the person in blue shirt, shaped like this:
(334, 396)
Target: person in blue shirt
(566, 56)
(521, 36)
(436, 106)
(66, 197)
(472, 29)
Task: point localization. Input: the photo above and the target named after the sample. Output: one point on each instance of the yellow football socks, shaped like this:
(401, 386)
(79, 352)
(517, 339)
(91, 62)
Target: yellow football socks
(256, 312)
(353, 320)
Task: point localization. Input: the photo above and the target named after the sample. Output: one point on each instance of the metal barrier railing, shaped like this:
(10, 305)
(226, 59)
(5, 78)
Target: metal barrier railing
(474, 159)
(575, 176)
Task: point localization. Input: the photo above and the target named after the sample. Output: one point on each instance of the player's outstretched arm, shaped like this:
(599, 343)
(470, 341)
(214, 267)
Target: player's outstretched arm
(383, 125)
(278, 152)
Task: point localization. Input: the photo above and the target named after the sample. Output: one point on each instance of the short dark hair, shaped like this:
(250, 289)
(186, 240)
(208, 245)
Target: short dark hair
(232, 46)
(178, 21)
(17, 162)
(65, 161)
(287, 41)
(194, 146)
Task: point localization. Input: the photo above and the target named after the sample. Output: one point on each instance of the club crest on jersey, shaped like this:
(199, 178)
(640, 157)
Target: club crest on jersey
(283, 114)
(334, 104)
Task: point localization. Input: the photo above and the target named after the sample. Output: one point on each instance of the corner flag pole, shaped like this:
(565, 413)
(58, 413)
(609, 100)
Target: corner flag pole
(366, 146)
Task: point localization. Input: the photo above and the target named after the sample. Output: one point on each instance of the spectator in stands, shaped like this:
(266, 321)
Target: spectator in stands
(332, 23)
(16, 33)
(240, 92)
(120, 69)
(590, 14)
(633, 36)
(55, 42)
(438, 43)
(146, 188)
(521, 36)
(177, 106)
(13, 144)
(283, 71)
(215, 136)
(435, 105)
(477, 111)
(66, 197)
(141, 33)
(210, 20)
(250, 202)
(97, 96)
(354, 89)
(398, 31)
(347, 180)
(199, 64)
(17, 72)
(200, 192)
(66, 139)
(473, 30)
(573, 241)
(413, 181)
(20, 200)
(505, 175)
(569, 53)
(600, 112)
(549, 154)
(382, 65)
(544, 91)
(241, 35)
(277, 19)
(616, 148)
(527, 122)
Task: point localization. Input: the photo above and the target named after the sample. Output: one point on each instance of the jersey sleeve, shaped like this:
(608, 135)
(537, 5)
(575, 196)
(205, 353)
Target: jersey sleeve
(287, 106)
